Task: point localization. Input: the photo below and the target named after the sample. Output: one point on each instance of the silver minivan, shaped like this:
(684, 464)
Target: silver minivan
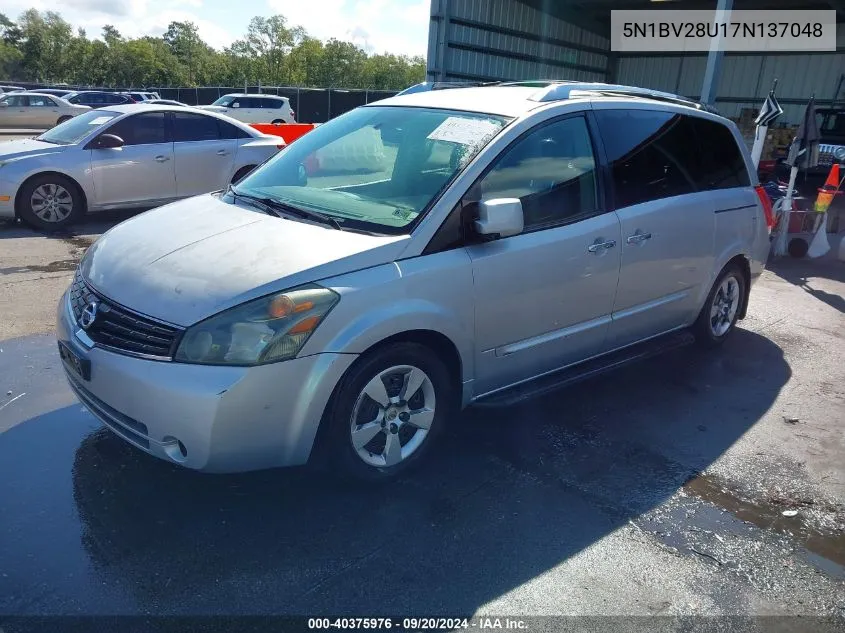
(470, 246)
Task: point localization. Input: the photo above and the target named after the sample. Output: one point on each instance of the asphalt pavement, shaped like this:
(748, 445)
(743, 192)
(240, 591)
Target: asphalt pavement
(660, 489)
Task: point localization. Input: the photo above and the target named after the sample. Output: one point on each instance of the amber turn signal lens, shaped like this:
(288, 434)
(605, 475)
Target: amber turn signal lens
(281, 307)
(304, 306)
(306, 325)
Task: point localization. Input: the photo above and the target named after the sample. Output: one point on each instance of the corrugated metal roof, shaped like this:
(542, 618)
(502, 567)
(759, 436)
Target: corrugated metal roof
(744, 79)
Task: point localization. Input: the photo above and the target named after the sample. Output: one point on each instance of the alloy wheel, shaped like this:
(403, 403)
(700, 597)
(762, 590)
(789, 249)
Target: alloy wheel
(392, 416)
(724, 307)
(51, 202)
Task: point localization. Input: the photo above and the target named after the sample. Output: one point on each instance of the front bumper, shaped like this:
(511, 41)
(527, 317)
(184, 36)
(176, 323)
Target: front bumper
(227, 419)
(8, 191)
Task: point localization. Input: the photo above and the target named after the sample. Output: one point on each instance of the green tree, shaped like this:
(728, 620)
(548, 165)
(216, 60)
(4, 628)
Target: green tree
(341, 65)
(270, 41)
(42, 46)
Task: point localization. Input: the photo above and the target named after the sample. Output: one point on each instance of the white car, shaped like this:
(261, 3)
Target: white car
(35, 109)
(254, 108)
(129, 156)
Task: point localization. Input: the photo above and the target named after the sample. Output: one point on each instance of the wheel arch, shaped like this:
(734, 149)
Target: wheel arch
(48, 172)
(442, 345)
(726, 259)
(745, 267)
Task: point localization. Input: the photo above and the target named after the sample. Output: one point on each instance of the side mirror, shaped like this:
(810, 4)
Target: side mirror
(234, 105)
(107, 141)
(502, 217)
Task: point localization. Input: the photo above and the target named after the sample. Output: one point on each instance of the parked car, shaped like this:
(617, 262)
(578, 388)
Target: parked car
(98, 99)
(254, 108)
(35, 110)
(125, 156)
(141, 97)
(4, 89)
(517, 239)
(56, 92)
(166, 102)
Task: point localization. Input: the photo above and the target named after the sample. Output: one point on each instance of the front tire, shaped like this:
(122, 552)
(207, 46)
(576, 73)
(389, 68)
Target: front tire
(388, 411)
(50, 202)
(62, 119)
(721, 311)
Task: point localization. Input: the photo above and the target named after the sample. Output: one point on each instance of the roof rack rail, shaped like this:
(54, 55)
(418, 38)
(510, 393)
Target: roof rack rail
(567, 90)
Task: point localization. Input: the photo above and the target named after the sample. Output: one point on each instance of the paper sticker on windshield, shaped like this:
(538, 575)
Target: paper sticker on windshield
(464, 131)
(100, 120)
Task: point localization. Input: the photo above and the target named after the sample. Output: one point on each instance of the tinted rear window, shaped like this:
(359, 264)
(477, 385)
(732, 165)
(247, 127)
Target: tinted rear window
(722, 164)
(227, 130)
(653, 154)
(194, 127)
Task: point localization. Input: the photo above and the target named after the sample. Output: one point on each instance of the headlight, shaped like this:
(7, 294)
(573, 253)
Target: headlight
(265, 330)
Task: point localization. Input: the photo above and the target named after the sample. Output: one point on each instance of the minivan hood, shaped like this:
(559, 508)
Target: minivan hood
(186, 261)
(11, 150)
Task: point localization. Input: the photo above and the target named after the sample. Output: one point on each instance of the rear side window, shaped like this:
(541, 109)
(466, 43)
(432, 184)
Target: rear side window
(141, 129)
(194, 127)
(227, 130)
(652, 154)
(40, 100)
(722, 164)
(275, 104)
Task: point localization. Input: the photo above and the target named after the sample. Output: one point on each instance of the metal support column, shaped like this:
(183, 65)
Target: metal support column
(713, 71)
(442, 40)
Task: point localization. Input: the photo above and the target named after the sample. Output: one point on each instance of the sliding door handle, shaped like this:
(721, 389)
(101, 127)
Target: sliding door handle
(638, 238)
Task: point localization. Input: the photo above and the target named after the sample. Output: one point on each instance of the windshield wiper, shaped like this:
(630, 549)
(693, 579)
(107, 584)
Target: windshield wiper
(272, 205)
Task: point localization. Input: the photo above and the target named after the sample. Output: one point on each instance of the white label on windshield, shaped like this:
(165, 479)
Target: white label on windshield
(461, 130)
(99, 120)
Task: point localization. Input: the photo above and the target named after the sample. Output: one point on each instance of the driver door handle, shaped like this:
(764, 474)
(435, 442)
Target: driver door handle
(162, 159)
(222, 152)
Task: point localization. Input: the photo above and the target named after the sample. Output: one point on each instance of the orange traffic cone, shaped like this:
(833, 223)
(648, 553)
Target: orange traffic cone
(828, 190)
(819, 244)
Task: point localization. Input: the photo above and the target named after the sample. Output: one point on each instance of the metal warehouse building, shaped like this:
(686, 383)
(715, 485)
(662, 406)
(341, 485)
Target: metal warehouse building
(491, 40)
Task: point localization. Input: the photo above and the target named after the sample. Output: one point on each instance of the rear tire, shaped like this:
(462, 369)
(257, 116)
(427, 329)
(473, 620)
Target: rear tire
(277, 122)
(376, 433)
(721, 311)
(50, 202)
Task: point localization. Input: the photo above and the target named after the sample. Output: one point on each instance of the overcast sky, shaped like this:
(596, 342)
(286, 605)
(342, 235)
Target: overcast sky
(379, 26)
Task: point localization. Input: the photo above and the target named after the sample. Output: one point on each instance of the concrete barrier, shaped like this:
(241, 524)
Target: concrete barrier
(288, 131)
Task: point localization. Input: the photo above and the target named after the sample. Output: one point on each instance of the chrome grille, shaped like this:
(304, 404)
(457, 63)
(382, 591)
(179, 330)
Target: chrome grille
(827, 153)
(120, 329)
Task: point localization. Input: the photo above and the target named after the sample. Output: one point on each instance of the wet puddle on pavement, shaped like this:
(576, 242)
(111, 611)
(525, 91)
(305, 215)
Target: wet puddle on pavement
(78, 243)
(708, 509)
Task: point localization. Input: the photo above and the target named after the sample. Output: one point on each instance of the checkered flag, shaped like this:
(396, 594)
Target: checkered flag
(770, 111)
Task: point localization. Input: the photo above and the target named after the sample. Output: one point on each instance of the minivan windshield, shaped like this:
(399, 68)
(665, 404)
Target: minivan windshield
(75, 129)
(376, 168)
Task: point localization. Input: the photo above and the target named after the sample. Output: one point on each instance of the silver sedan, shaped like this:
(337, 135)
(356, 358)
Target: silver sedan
(130, 156)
